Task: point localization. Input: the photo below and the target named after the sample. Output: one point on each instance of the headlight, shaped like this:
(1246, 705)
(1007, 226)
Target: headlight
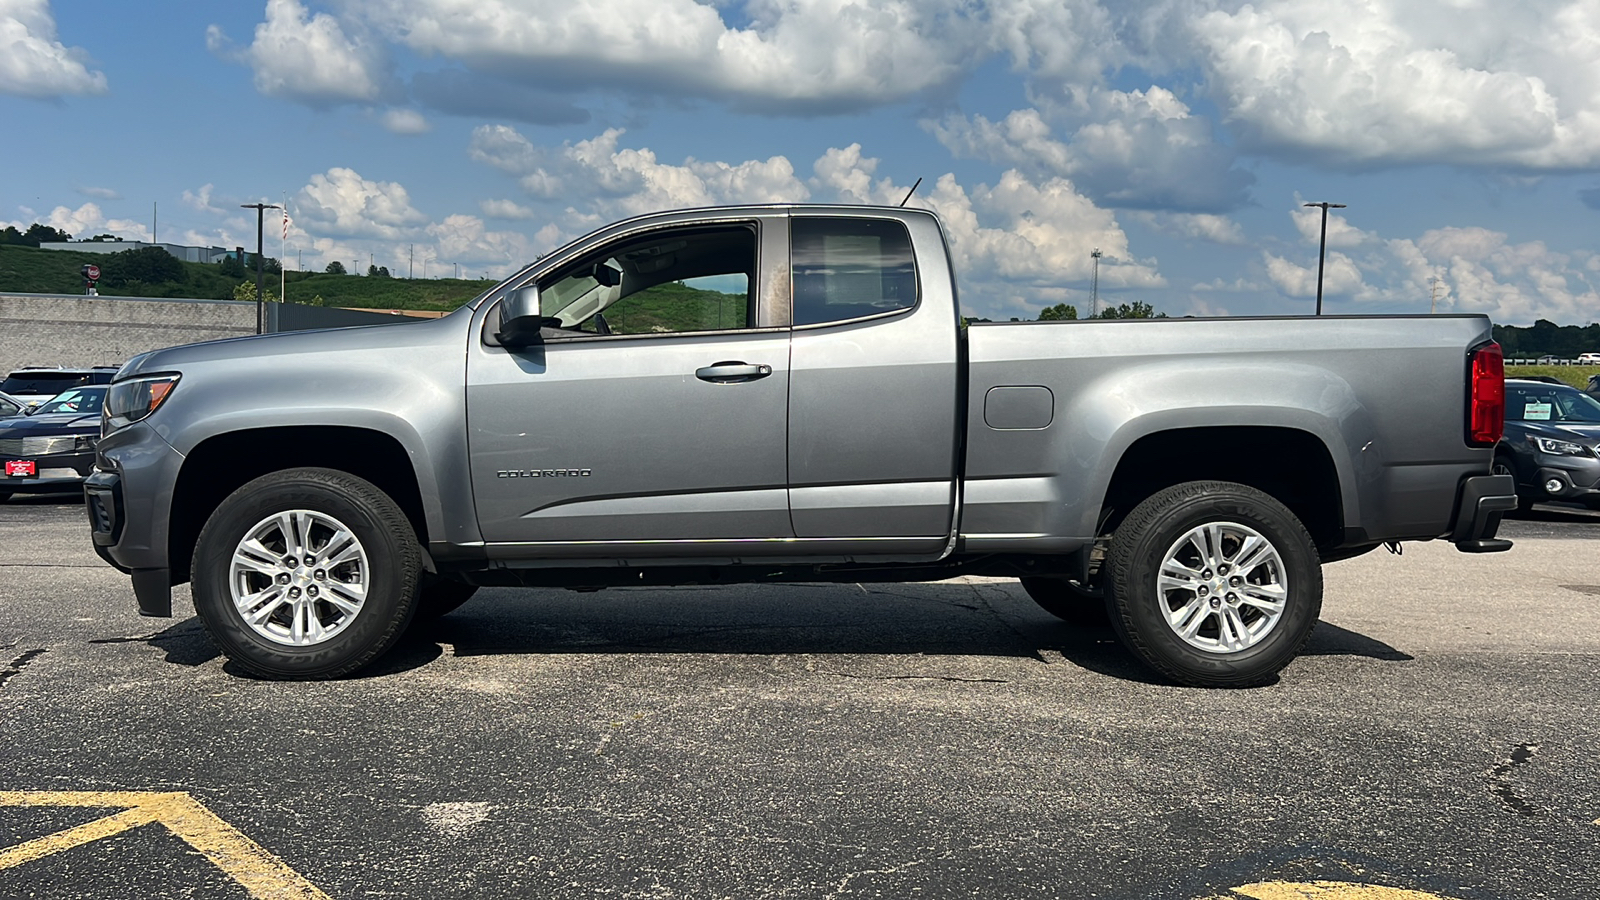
(129, 401)
(1560, 448)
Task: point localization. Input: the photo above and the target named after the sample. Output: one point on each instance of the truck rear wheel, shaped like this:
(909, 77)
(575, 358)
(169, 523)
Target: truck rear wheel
(1213, 584)
(306, 574)
(1068, 600)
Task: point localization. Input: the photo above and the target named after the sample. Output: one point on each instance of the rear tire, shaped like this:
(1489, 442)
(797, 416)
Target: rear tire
(306, 574)
(1068, 601)
(1213, 584)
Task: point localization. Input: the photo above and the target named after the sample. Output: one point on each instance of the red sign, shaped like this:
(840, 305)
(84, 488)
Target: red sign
(21, 468)
(92, 272)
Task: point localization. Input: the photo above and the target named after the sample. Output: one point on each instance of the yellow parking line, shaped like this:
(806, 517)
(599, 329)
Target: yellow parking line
(262, 874)
(1329, 890)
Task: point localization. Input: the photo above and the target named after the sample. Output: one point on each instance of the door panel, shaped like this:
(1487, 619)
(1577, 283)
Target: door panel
(651, 452)
(873, 404)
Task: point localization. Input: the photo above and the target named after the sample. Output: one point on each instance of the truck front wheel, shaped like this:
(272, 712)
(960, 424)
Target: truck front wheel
(306, 574)
(1213, 584)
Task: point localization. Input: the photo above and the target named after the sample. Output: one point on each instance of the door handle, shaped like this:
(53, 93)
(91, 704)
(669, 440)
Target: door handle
(731, 372)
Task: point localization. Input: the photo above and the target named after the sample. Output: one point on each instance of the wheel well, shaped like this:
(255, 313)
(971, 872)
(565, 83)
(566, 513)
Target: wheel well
(222, 464)
(1292, 465)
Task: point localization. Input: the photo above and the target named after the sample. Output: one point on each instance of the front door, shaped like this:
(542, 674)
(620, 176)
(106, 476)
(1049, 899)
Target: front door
(652, 422)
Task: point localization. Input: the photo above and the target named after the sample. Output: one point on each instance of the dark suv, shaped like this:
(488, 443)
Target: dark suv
(35, 384)
(1552, 432)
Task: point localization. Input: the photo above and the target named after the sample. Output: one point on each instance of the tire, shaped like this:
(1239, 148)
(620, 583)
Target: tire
(1068, 601)
(1503, 466)
(441, 596)
(1242, 638)
(259, 543)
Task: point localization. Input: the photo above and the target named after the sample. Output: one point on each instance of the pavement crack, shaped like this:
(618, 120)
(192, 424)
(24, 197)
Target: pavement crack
(1499, 778)
(16, 666)
(916, 678)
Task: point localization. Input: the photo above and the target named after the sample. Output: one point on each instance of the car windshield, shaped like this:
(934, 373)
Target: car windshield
(42, 382)
(86, 402)
(1549, 403)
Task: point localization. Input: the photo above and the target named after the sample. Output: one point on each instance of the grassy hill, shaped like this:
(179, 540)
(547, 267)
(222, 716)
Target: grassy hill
(31, 270)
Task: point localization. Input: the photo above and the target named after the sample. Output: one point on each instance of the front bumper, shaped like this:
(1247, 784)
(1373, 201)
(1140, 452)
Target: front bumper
(128, 499)
(1480, 503)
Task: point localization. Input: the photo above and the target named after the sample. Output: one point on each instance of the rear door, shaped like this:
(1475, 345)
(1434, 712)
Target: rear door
(873, 395)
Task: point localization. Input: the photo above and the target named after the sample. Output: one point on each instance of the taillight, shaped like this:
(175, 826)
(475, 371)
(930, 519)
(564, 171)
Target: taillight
(1486, 410)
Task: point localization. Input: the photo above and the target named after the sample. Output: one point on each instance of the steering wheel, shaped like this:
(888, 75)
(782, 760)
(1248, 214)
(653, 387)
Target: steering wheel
(600, 324)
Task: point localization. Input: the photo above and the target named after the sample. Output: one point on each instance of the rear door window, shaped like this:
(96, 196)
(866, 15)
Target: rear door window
(850, 268)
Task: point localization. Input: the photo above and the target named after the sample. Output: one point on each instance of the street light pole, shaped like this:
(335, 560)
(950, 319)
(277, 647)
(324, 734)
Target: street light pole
(1322, 249)
(1094, 285)
(261, 210)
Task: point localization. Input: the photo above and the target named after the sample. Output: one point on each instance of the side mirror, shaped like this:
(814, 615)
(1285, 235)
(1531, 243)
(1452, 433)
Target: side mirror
(520, 320)
(605, 275)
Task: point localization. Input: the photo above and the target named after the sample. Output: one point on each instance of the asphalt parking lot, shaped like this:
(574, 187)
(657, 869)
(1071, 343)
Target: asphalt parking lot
(942, 740)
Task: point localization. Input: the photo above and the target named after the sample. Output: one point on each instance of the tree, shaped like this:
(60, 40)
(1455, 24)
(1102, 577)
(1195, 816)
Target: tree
(232, 267)
(38, 234)
(106, 237)
(271, 266)
(10, 235)
(383, 271)
(1134, 310)
(1058, 312)
(246, 292)
(149, 265)
(335, 268)
(377, 271)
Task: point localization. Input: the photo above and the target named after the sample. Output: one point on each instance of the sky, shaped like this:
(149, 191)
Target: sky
(1180, 138)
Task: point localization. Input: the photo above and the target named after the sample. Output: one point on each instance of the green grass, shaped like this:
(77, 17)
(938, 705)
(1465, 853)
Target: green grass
(1577, 376)
(35, 271)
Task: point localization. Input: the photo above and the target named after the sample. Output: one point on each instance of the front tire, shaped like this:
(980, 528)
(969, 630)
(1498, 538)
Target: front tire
(1213, 584)
(306, 574)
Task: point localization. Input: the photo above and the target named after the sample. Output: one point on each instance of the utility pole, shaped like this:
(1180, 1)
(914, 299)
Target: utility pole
(261, 209)
(1433, 294)
(1094, 285)
(1322, 251)
(411, 267)
(153, 208)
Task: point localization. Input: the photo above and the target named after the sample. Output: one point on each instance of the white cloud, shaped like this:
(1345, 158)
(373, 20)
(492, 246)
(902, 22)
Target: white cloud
(1341, 234)
(1375, 82)
(342, 203)
(100, 193)
(824, 54)
(33, 63)
(406, 121)
(505, 209)
(464, 239)
(1206, 227)
(307, 57)
(1130, 149)
(200, 200)
(1341, 277)
(617, 181)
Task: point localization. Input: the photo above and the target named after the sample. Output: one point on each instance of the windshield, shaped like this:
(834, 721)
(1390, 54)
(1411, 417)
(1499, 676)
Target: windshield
(1550, 403)
(86, 402)
(42, 382)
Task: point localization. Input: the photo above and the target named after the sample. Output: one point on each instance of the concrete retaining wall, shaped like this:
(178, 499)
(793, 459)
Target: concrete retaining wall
(73, 330)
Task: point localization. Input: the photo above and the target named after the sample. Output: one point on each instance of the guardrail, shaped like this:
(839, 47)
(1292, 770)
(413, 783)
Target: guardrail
(1548, 361)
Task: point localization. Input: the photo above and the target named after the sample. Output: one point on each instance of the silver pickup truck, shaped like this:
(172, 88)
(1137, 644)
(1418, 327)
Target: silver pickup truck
(788, 393)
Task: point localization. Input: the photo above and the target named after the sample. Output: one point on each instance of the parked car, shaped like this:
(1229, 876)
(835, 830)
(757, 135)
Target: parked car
(52, 449)
(34, 385)
(785, 393)
(11, 406)
(1550, 443)
(1589, 359)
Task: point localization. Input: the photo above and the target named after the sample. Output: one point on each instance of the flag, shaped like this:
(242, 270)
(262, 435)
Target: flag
(286, 223)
